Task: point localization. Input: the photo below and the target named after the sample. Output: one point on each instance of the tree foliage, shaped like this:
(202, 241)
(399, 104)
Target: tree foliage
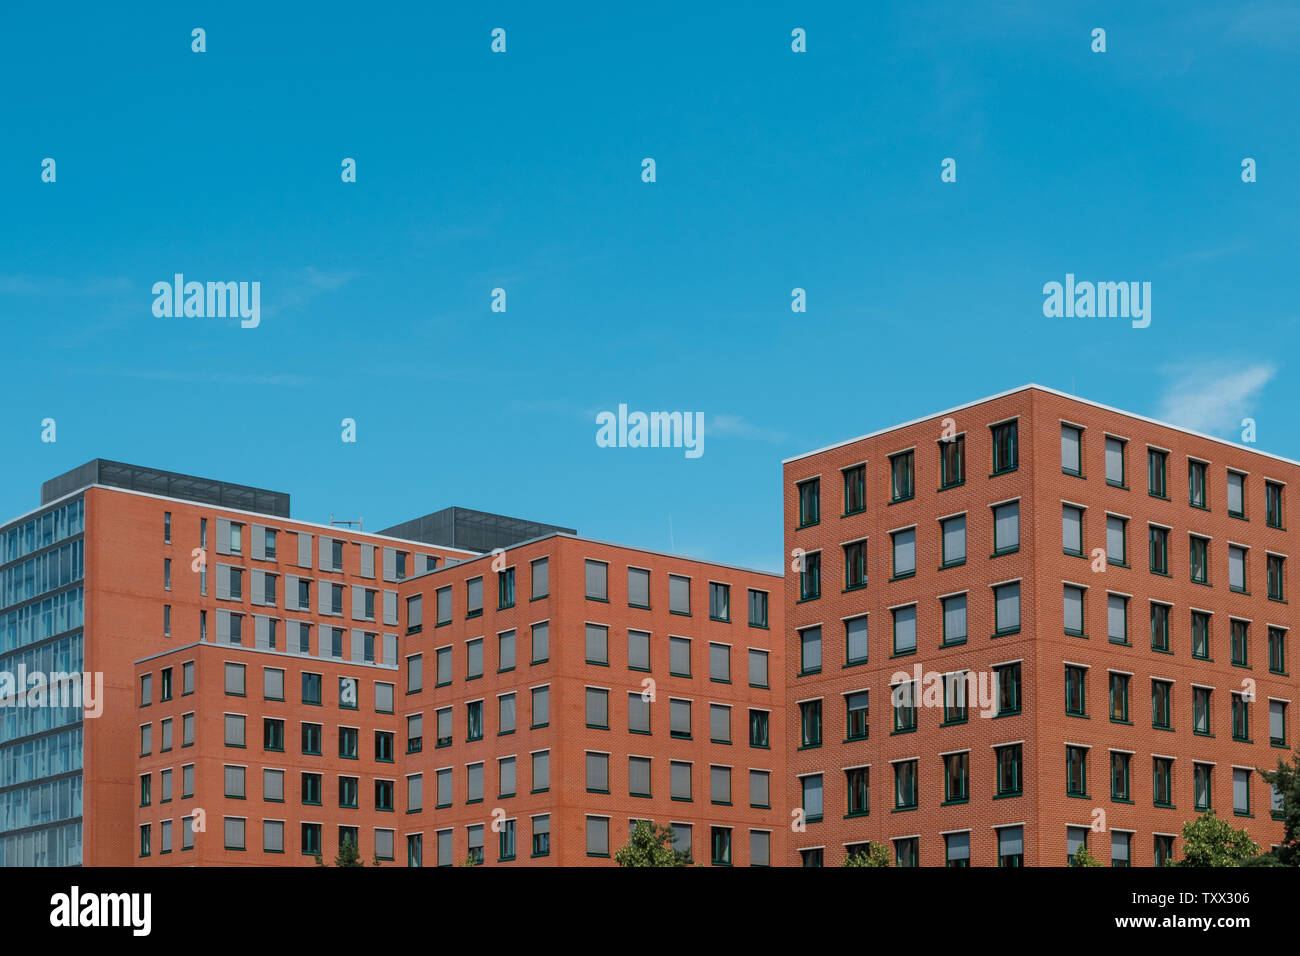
(650, 845)
(876, 854)
(1210, 841)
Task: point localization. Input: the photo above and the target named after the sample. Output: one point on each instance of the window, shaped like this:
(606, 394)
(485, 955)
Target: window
(679, 656)
(857, 706)
(1201, 791)
(1163, 849)
(146, 688)
(443, 729)
(810, 651)
(1008, 770)
(146, 787)
(1161, 692)
(1073, 611)
(1075, 697)
(1011, 843)
(1201, 711)
(597, 578)
(956, 777)
(597, 772)
(234, 833)
(758, 728)
(474, 658)
(505, 714)
(720, 601)
(907, 852)
(1273, 504)
(234, 782)
(1119, 698)
(167, 621)
(1240, 643)
(505, 651)
(954, 619)
(597, 836)
(272, 734)
(1156, 461)
(1196, 484)
(905, 791)
(1076, 839)
(956, 687)
(904, 629)
(475, 839)
(757, 608)
(474, 720)
(597, 644)
(720, 663)
(1160, 627)
(1072, 530)
(542, 835)
(1241, 791)
(902, 476)
(903, 698)
(904, 552)
(506, 588)
(442, 662)
(855, 489)
(1119, 776)
(1277, 650)
(1163, 781)
(311, 688)
(1158, 544)
(679, 718)
(598, 708)
(348, 742)
(1007, 678)
(758, 670)
(1237, 568)
(474, 597)
(1006, 609)
(1275, 578)
(442, 598)
(720, 837)
(1116, 543)
(952, 461)
(855, 565)
(235, 679)
(540, 578)
(811, 800)
(1236, 494)
(541, 649)
(858, 785)
(1006, 528)
(720, 785)
(810, 723)
(234, 730)
(1072, 450)
(1117, 618)
(1115, 462)
(1201, 635)
(1006, 451)
(1240, 718)
(680, 780)
(638, 587)
(187, 678)
(760, 789)
(638, 713)
(679, 594)
(474, 782)
(810, 502)
(1199, 559)
(1076, 771)
(953, 537)
(638, 650)
(810, 576)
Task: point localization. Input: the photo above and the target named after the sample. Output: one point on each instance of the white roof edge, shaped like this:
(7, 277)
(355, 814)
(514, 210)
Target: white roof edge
(1059, 394)
(269, 518)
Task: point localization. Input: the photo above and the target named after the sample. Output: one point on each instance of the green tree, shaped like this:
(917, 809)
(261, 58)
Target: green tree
(1083, 857)
(876, 854)
(1286, 781)
(650, 845)
(348, 855)
(1209, 841)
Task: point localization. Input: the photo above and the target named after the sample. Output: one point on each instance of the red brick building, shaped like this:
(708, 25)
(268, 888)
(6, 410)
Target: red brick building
(1111, 591)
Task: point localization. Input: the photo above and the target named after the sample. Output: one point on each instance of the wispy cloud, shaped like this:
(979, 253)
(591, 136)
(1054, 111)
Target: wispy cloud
(301, 287)
(737, 426)
(1214, 397)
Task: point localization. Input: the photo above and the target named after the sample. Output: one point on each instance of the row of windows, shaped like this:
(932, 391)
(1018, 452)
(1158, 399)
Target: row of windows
(1004, 457)
(680, 780)
(42, 531)
(596, 588)
(263, 545)
(235, 837)
(236, 685)
(1116, 472)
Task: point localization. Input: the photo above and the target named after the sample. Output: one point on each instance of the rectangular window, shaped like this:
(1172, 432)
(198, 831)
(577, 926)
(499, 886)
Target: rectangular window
(1162, 792)
(904, 543)
(810, 723)
(1237, 568)
(598, 708)
(1236, 494)
(1008, 770)
(1273, 504)
(1159, 627)
(540, 580)
(597, 772)
(858, 784)
(443, 601)
(638, 587)
(679, 718)
(1072, 530)
(1201, 791)
(952, 461)
(1201, 635)
(679, 656)
(597, 580)
(1161, 692)
(720, 601)
(541, 644)
(720, 663)
(1007, 678)
(759, 725)
(1117, 618)
(1156, 461)
(597, 644)
(1240, 718)
(1006, 528)
(1072, 450)
(902, 478)
(1240, 643)
(1200, 559)
(1277, 650)
(953, 537)
(855, 565)
(757, 608)
(810, 576)
(903, 698)
(1075, 697)
(904, 629)
(506, 588)
(679, 594)
(1076, 772)
(638, 713)
(1277, 723)
(1006, 448)
(1115, 462)
(811, 792)
(956, 694)
(855, 489)
(474, 658)
(810, 651)
(810, 502)
(1011, 845)
(474, 597)
(1241, 791)
(1201, 711)
(758, 668)
(1116, 540)
(1276, 578)
(954, 620)
(1074, 611)
(857, 707)
(905, 789)
(1119, 776)
(1196, 484)
(1006, 609)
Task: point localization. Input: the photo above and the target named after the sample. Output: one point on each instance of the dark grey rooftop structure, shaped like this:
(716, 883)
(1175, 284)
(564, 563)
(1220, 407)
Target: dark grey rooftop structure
(470, 530)
(169, 484)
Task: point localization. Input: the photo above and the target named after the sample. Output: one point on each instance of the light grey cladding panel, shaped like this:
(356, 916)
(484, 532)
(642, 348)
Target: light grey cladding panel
(304, 550)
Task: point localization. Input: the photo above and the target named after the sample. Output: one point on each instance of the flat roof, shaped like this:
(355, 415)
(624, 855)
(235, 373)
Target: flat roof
(1050, 391)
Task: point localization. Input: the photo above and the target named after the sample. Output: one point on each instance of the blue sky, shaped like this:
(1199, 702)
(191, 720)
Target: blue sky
(522, 170)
